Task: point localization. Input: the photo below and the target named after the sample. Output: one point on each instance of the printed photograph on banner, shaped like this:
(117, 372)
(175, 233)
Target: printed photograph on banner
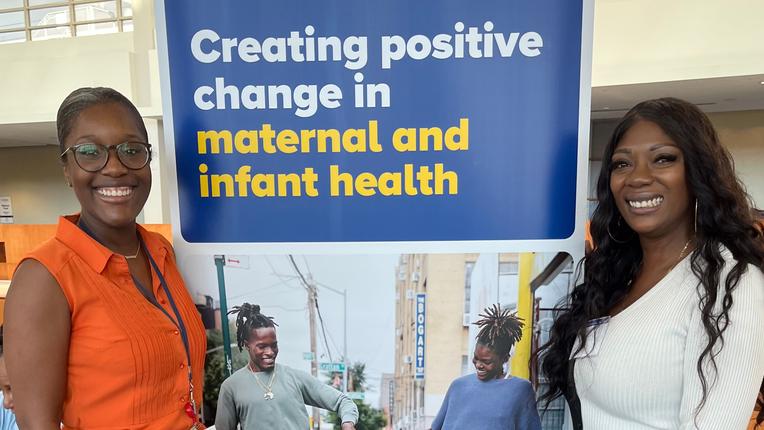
(391, 332)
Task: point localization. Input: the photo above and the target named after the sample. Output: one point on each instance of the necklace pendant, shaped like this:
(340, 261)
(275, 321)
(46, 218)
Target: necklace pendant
(268, 395)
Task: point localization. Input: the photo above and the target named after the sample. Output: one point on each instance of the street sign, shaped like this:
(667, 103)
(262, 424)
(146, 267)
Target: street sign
(308, 356)
(332, 367)
(237, 261)
(420, 331)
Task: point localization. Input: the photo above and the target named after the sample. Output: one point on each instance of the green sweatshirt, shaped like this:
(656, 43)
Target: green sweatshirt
(242, 400)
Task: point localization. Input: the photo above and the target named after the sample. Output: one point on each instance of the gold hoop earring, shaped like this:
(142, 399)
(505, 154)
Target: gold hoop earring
(695, 227)
(618, 224)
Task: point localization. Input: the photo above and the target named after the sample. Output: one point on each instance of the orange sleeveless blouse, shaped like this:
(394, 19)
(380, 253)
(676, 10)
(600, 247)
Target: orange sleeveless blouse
(127, 365)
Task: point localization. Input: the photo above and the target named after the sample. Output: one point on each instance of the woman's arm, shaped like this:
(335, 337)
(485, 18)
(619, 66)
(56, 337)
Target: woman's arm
(437, 423)
(36, 330)
(528, 417)
(732, 391)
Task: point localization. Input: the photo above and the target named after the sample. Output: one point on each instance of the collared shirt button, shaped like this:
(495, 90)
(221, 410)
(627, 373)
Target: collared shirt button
(175, 332)
(182, 366)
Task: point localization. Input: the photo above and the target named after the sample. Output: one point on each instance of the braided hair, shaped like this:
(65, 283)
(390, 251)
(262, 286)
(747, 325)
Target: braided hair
(248, 318)
(499, 329)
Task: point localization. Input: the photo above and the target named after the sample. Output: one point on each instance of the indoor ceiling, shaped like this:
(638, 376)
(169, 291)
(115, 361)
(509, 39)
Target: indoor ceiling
(712, 95)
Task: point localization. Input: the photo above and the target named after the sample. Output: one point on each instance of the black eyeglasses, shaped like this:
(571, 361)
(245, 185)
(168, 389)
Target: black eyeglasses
(92, 157)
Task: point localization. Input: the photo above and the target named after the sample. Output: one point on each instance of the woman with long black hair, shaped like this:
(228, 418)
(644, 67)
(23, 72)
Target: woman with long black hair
(666, 330)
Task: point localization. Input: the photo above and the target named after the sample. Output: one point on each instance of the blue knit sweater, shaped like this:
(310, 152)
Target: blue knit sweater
(498, 404)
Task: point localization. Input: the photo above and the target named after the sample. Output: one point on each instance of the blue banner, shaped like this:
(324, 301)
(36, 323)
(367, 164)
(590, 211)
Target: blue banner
(419, 347)
(343, 121)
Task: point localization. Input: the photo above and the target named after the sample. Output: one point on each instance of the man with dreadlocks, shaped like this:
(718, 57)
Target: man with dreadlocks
(488, 400)
(266, 396)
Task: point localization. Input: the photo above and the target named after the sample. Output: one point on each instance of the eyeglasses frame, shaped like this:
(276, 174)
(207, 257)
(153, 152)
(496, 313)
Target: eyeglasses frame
(108, 154)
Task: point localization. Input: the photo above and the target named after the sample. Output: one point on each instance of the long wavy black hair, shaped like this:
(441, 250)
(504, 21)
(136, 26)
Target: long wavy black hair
(724, 217)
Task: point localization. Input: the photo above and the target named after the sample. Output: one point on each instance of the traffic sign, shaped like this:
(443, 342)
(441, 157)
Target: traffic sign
(332, 367)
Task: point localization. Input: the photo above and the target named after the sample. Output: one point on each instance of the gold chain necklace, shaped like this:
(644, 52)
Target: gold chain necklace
(681, 255)
(268, 392)
(134, 256)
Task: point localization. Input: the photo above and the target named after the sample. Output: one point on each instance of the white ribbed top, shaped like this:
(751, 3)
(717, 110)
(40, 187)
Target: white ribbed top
(641, 372)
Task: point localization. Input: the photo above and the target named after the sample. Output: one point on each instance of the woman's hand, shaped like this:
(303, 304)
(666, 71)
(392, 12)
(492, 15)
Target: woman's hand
(348, 426)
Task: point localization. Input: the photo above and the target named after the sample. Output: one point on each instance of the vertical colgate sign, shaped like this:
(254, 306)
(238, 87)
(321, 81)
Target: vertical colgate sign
(420, 326)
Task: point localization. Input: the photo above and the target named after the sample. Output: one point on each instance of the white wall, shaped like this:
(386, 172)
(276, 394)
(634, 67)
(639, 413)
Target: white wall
(638, 41)
(36, 76)
(743, 134)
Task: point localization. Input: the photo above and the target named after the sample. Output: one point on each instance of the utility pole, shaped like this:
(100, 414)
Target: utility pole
(346, 379)
(219, 263)
(346, 374)
(314, 362)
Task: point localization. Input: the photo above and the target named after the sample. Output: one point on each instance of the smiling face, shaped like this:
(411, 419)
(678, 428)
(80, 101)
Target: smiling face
(648, 182)
(263, 347)
(487, 363)
(113, 196)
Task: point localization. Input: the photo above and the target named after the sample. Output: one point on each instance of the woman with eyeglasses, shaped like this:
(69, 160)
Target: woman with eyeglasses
(100, 331)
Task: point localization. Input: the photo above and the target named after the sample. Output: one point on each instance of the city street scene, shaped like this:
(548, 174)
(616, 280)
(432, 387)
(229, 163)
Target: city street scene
(398, 327)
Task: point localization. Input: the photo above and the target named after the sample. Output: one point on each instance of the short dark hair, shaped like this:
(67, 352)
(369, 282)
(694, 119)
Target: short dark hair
(83, 98)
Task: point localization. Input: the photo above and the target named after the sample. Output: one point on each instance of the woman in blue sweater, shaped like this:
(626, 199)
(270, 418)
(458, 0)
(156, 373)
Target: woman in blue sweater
(488, 400)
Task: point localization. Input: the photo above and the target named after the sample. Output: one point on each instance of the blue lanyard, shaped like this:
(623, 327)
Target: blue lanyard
(177, 322)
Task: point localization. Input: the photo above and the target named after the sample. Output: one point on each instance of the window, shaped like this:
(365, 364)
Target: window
(465, 364)
(508, 268)
(25, 20)
(468, 285)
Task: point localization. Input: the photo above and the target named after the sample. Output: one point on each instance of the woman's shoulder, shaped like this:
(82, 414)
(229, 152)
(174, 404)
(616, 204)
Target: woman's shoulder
(748, 292)
(468, 379)
(156, 239)
(519, 384)
(52, 254)
(751, 277)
